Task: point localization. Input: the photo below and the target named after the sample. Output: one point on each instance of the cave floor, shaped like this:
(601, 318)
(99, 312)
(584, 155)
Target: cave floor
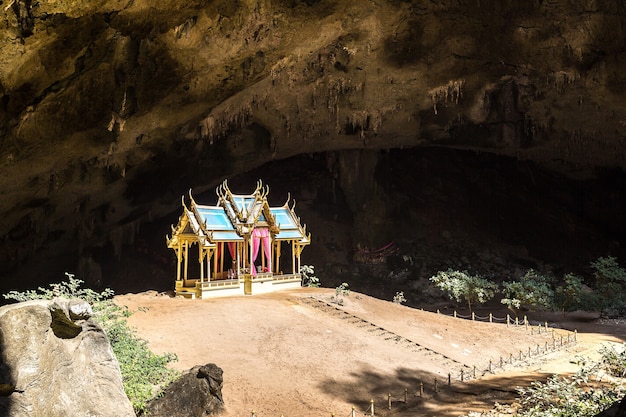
(299, 353)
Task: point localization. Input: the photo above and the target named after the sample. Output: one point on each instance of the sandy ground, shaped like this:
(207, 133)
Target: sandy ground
(298, 353)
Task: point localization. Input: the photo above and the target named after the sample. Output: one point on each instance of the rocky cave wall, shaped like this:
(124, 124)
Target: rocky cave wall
(112, 109)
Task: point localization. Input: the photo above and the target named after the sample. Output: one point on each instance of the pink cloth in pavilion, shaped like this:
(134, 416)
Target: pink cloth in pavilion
(261, 234)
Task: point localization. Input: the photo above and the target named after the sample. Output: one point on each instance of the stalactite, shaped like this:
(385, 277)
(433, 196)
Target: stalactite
(184, 28)
(219, 122)
(563, 78)
(452, 91)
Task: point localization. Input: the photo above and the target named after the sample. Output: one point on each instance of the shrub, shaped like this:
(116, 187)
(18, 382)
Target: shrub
(399, 297)
(144, 373)
(308, 276)
(532, 290)
(461, 285)
(610, 283)
(582, 395)
(71, 288)
(575, 396)
(613, 362)
(569, 294)
(341, 291)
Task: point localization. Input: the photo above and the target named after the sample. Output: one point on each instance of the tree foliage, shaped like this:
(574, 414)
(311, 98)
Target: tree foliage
(579, 395)
(610, 284)
(532, 290)
(460, 285)
(308, 276)
(568, 295)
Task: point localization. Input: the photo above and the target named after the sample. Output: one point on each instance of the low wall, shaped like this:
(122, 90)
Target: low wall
(260, 284)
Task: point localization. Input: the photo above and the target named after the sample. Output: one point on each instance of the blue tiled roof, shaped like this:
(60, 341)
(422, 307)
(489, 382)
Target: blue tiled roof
(220, 228)
(215, 217)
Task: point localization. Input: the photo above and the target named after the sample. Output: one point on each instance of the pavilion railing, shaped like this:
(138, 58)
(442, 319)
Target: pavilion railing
(287, 277)
(220, 283)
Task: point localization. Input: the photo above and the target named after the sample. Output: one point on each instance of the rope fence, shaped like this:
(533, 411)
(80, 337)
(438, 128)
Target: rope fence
(466, 373)
(439, 384)
(491, 319)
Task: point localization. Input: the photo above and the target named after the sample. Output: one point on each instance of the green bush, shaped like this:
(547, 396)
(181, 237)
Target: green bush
(569, 295)
(610, 285)
(340, 291)
(308, 276)
(579, 395)
(613, 362)
(532, 290)
(399, 297)
(144, 374)
(461, 285)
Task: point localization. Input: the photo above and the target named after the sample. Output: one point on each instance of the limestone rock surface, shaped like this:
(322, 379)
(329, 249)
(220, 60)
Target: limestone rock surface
(198, 392)
(110, 110)
(56, 363)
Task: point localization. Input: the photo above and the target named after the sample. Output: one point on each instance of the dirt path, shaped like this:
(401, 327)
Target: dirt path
(296, 353)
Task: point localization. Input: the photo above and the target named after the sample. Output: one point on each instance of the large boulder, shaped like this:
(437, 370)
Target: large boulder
(197, 393)
(56, 361)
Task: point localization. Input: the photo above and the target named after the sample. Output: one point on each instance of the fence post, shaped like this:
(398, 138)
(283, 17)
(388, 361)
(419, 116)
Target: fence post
(473, 316)
(406, 395)
(449, 379)
(353, 412)
(561, 340)
(516, 321)
(501, 362)
(461, 375)
(575, 335)
(529, 351)
(511, 358)
(438, 311)
(546, 347)
(372, 407)
(526, 322)
(421, 389)
(490, 318)
(474, 371)
(508, 318)
(520, 355)
(252, 414)
(435, 384)
(389, 401)
(489, 365)
(454, 314)
(546, 326)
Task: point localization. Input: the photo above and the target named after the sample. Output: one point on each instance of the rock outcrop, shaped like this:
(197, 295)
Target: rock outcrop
(198, 392)
(57, 362)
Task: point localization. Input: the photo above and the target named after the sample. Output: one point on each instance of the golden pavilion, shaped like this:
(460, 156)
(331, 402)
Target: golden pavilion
(238, 245)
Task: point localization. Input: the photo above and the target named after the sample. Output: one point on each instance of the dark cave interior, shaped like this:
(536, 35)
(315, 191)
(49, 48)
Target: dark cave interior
(442, 208)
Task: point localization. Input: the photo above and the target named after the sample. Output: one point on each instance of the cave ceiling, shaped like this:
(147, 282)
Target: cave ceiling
(111, 109)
